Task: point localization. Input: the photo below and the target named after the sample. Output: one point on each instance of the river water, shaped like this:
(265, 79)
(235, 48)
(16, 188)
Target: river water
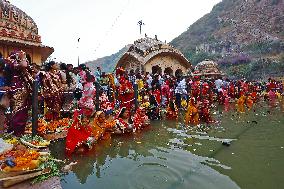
(170, 155)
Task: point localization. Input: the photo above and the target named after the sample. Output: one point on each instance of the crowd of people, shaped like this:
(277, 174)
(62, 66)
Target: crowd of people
(101, 104)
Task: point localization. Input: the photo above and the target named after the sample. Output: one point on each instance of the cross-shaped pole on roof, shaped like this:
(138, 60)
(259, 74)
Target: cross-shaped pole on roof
(140, 23)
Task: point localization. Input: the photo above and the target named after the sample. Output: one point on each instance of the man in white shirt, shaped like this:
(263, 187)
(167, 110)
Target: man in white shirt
(219, 84)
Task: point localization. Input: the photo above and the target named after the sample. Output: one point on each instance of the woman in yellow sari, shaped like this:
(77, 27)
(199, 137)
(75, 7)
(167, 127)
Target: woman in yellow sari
(240, 104)
(141, 88)
(192, 115)
(98, 126)
(249, 102)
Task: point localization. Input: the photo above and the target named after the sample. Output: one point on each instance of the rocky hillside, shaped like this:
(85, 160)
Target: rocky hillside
(246, 37)
(240, 34)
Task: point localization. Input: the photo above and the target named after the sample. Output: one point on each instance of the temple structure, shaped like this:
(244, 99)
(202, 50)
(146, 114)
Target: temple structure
(154, 56)
(207, 69)
(18, 31)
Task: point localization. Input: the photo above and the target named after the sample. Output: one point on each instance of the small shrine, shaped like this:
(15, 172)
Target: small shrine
(207, 69)
(154, 56)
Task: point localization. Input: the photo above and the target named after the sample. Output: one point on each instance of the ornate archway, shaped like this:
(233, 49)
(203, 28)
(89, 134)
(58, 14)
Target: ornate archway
(152, 55)
(137, 70)
(178, 73)
(156, 69)
(169, 71)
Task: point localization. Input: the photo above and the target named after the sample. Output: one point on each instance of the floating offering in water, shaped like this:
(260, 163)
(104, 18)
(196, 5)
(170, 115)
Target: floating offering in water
(226, 143)
(254, 122)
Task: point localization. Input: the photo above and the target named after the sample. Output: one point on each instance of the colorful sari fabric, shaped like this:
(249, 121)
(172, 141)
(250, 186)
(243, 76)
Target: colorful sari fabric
(192, 115)
(232, 90)
(140, 119)
(205, 115)
(126, 93)
(141, 89)
(122, 125)
(98, 126)
(195, 89)
(240, 104)
(172, 112)
(272, 98)
(249, 102)
(153, 110)
(21, 86)
(205, 89)
(52, 95)
(254, 96)
(183, 103)
(110, 124)
(105, 104)
(88, 95)
(140, 84)
(157, 95)
(78, 134)
(165, 94)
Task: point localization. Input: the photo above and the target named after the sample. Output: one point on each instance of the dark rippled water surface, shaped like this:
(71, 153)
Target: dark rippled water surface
(169, 155)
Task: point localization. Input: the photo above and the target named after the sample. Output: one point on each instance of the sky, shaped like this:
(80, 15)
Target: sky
(105, 26)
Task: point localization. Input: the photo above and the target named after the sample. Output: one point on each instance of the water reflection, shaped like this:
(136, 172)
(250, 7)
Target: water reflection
(172, 155)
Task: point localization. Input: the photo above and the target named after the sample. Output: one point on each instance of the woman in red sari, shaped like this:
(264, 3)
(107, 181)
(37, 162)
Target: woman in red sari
(123, 124)
(140, 119)
(172, 111)
(166, 93)
(195, 88)
(205, 114)
(232, 90)
(157, 94)
(126, 93)
(80, 135)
